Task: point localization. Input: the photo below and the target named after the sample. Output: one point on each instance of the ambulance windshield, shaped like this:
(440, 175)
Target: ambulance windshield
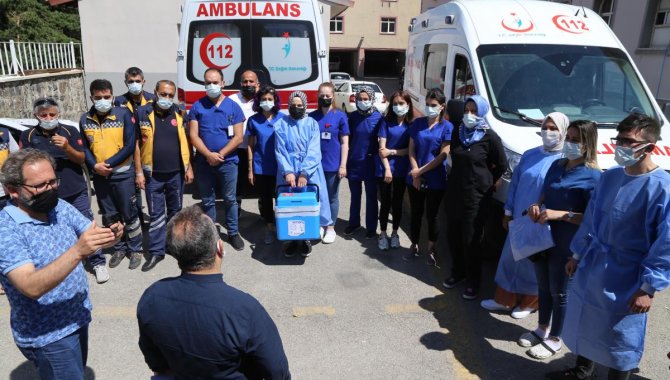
(583, 82)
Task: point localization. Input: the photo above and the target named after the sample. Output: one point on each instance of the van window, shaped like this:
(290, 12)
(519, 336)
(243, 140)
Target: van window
(282, 52)
(463, 85)
(435, 59)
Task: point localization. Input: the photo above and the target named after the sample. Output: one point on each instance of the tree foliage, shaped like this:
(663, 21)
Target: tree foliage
(37, 21)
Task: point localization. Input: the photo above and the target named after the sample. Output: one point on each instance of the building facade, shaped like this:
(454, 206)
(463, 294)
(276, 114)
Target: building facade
(370, 38)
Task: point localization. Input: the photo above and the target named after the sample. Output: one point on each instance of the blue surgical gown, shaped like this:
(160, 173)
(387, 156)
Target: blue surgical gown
(623, 245)
(298, 151)
(524, 190)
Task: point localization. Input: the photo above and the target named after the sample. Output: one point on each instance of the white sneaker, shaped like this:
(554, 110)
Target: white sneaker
(519, 313)
(329, 237)
(395, 241)
(492, 305)
(101, 273)
(321, 232)
(383, 242)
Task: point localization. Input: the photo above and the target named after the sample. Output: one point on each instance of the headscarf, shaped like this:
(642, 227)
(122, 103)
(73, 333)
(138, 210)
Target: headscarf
(371, 93)
(562, 123)
(471, 136)
(302, 96)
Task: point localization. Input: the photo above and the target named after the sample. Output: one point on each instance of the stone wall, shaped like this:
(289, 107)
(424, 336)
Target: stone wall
(18, 93)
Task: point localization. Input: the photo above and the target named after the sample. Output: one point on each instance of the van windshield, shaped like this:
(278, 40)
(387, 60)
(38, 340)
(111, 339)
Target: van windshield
(282, 52)
(583, 82)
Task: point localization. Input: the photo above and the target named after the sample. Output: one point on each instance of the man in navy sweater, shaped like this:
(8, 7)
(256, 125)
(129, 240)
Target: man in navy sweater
(195, 326)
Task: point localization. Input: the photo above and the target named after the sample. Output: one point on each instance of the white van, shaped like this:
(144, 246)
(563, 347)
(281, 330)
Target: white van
(282, 41)
(529, 58)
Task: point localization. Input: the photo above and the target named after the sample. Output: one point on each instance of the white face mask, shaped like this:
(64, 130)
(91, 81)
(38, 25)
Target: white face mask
(401, 110)
(433, 111)
(102, 105)
(266, 105)
(164, 103)
(550, 139)
(135, 88)
(213, 90)
(572, 151)
(48, 124)
(363, 105)
(470, 120)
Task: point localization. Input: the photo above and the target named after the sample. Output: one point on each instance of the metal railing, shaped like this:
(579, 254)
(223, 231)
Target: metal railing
(24, 58)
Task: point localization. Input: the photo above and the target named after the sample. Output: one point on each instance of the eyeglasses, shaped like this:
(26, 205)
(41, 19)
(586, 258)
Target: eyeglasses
(52, 183)
(623, 141)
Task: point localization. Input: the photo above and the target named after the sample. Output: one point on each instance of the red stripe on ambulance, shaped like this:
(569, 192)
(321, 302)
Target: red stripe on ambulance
(245, 9)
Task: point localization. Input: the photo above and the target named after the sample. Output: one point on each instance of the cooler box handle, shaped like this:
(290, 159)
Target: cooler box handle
(290, 189)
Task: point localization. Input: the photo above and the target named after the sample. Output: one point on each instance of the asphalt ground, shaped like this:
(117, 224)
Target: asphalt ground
(348, 311)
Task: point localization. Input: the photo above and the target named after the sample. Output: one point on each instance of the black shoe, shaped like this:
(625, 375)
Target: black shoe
(452, 281)
(151, 263)
(470, 293)
(236, 241)
(135, 260)
(431, 260)
(290, 249)
(576, 373)
(371, 235)
(116, 259)
(306, 248)
(350, 230)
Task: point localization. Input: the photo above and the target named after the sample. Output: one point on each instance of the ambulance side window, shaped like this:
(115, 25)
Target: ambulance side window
(463, 85)
(435, 65)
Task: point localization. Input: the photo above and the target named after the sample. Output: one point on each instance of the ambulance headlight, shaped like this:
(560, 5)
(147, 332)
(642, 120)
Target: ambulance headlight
(513, 159)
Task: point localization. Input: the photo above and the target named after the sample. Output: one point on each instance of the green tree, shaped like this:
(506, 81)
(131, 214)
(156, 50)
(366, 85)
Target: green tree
(37, 21)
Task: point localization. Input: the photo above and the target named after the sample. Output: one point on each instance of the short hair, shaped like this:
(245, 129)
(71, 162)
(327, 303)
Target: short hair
(649, 127)
(133, 72)
(215, 70)
(437, 94)
(45, 103)
(391, 116)
(588, 134)
(11, 173)
(100, 85)
(165, 81)
(264, 91)
(191, 239)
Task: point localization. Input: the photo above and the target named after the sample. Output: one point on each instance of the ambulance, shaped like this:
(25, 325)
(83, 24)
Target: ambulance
(283, 41)
(528, 59)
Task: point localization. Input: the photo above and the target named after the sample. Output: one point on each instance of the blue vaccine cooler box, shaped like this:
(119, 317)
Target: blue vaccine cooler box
(297, 213)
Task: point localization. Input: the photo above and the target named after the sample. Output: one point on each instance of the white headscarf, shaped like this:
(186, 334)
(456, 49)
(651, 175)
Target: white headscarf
(562, 123)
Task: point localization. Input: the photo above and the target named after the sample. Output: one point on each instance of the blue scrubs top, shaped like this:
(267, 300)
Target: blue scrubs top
(264, 160)
(332, 126)
(363, 145)
(397, 137)
(213, 123)
(568, 191)
(427, 143)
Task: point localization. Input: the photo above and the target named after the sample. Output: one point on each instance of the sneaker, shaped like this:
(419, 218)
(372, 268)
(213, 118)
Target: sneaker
(383, 242)
(350, 230)
(492, 305)
(452, 281)
(269, 237)
(329, 237)
(412, 254)
(395, 241)
(532, 338)
(101, 273)
(306, 248)
(116, 259)
(236, 241)
(431, 260)
(470, 293)
(371, 235)
(290, 249)
(519, 313)
(321, 232)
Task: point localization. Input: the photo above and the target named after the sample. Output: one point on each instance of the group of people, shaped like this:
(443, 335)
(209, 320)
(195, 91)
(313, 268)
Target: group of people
(610, 230)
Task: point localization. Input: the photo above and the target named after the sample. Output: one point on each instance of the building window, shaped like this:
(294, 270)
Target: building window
(606, 11)
(337, 24)
(660, 37)
(388, 25)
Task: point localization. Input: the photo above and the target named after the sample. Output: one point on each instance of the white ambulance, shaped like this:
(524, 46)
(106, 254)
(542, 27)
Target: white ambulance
(282, 41)
(530, 58)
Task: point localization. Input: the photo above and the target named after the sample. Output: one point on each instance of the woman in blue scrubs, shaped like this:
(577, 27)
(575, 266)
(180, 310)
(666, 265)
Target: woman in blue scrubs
(261, 149)
(364, 127)
(429, 144)
(566, 193)
(334, 129)
(393, 165)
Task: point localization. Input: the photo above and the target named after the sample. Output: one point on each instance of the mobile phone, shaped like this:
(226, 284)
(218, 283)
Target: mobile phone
(108, 220)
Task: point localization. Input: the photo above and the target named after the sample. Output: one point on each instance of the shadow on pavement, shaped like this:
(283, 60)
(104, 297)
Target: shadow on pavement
(27, 371)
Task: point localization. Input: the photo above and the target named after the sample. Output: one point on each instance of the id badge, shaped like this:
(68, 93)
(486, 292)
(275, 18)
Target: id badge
(231, 131)
(325, 135)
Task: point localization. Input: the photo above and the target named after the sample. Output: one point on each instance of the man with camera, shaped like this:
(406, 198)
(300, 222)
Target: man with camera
(44, 240)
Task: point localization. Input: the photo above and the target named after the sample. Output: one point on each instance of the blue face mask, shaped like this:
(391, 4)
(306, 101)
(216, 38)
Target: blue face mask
(213, 90)
(625, 156)
(102, 105)
(470, 120)
(572, 151)
(48, 124)
(401, 110)
(135, 88)
(363, 105)
(164, 103)
(432, 111)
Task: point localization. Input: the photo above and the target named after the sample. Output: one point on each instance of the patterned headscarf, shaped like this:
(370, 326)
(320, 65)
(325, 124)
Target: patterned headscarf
(298, 94)
(371, 93)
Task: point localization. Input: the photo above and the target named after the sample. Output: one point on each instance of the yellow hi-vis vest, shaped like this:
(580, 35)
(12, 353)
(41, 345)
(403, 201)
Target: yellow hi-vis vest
(147, 123)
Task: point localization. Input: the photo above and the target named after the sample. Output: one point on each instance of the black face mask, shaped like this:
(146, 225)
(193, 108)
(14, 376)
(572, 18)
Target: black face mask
(248, 91)
(325, 102)
(296, 112)
(42, 203)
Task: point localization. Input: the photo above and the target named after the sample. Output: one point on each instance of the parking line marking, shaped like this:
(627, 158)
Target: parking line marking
(313, 310)
(399, 308)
